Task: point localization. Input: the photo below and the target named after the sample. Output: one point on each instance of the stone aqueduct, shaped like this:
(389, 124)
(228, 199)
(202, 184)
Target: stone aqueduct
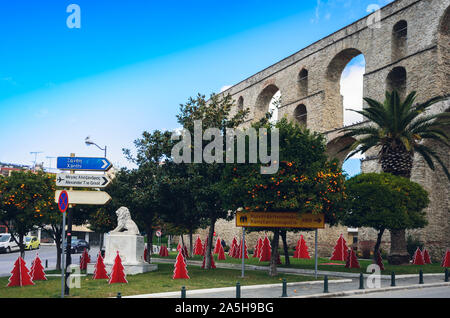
(407, 48)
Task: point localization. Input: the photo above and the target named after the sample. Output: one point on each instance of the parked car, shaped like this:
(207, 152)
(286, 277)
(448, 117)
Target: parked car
(32, 243)
(78, 246)
(7, 243)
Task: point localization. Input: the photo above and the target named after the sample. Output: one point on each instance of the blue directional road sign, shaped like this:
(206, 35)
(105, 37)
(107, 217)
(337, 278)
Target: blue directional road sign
(83, 163)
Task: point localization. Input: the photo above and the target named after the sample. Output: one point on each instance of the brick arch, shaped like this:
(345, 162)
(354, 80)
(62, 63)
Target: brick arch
(263, 100)
(397, 79)
(333, 98)
(335, 146)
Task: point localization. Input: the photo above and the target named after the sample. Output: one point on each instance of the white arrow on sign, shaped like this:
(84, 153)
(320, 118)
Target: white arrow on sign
(82, 180)
(85, 197)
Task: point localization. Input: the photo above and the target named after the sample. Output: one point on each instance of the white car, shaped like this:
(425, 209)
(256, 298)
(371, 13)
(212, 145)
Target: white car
(7, 243)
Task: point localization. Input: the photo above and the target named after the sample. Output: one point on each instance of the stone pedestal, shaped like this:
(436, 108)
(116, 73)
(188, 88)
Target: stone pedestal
(131, 251)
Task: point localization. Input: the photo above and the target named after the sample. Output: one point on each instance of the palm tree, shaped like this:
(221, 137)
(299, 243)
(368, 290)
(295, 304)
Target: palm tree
(399, 130)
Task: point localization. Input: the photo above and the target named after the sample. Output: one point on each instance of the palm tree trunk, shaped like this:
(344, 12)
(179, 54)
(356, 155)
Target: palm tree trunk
(397, 161)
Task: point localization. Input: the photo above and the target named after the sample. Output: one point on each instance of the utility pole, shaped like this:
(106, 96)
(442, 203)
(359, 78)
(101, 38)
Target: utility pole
(35, 158)
(50, 162)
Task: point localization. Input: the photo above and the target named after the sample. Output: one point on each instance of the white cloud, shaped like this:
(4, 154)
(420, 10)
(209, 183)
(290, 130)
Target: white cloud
(352, 91)
(224, 88)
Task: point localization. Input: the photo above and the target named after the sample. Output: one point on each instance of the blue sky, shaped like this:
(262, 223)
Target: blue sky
(132, 63)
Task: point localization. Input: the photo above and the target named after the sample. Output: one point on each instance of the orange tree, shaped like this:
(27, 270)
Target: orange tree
(306, 181)
(26, 199)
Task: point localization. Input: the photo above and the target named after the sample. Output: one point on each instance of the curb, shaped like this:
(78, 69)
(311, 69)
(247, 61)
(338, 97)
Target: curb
(370, 291)
(298, 271)
(225, 289)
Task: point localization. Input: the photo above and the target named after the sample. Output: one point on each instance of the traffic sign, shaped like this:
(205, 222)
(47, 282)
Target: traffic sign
(85, 197)
(83, 163)
(82, 180)
(63, 201)
(158, 233)
(280, 219)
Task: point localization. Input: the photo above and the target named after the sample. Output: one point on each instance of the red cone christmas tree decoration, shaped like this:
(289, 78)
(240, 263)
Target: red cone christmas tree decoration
(446, 259)
(340, 250)
(180, 270)
(117, 272)
(278, 259)
(265, 251)
(245, 250)
(380, 261)
(257, 250)
(418, 258)
(20, 275)
(204, 246)
(217, 247)
(303, 249)
(185, 252)
(352, 261)
(233, 247)
(198, 247)
(84, 260)
(179, 247)
(426, 256)
(163, 252)
(213, 265)
(37, 270)
(100, 269)
(221, 256)
(145, 253)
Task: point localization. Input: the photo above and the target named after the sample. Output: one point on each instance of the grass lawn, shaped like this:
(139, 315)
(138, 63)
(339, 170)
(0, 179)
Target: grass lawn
(309, 264)
(151, 282)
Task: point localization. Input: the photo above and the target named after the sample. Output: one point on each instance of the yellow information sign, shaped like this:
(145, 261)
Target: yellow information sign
(280, 219)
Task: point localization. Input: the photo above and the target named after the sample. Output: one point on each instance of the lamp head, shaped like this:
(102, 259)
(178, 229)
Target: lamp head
(88, 141)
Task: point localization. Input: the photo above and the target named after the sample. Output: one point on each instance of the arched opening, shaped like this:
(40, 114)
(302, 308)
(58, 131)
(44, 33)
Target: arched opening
(274, 104)
(269, 100)
(444, 52)
(399, 40)
(345, 87)
(303, 82)
(300, 114)
(240, 103)
(396, 80)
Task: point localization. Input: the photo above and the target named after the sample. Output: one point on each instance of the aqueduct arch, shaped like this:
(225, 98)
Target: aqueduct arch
(408, 49)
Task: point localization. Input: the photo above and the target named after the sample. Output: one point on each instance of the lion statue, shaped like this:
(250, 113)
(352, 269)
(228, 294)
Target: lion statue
(125, 224)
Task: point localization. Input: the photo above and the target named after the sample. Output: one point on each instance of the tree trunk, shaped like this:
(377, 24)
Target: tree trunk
(285, 247)
(21, 247)
(209, 244)
(149, 243)
(398, 254)
(274, 256)
(58, 256)
(377, 245)
(191, 248)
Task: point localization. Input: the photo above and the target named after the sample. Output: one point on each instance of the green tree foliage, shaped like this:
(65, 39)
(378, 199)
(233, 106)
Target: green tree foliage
(399, 129)
(26, 202)
(306, 181)
(206, 185)
(384, 201)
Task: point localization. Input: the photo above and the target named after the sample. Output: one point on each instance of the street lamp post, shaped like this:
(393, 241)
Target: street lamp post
(89, 142)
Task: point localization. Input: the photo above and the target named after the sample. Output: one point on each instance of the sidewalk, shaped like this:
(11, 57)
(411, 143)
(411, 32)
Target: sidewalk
(346, 285)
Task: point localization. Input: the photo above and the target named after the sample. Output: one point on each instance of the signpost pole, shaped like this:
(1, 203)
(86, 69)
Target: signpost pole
(63, 265)
(69, 240)
(315, 255)
(243, 251)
